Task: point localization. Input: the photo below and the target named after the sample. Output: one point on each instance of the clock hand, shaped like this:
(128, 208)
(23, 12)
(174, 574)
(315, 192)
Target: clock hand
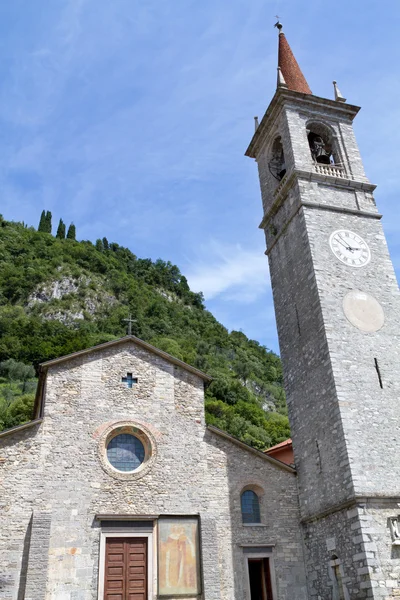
(343, 243)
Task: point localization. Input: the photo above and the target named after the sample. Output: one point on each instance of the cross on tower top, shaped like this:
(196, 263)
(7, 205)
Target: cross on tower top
(130, 321)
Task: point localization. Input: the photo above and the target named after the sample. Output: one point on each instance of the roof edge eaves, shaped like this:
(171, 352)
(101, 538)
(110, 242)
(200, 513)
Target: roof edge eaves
(12, 430)
(285, 95)
(273, 461)
(125, 339)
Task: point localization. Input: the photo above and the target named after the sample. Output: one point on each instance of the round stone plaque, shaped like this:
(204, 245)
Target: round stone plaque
(363, 311)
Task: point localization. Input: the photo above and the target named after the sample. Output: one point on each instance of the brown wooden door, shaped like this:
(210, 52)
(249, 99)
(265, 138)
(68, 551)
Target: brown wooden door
(136, 572)
(125, 575)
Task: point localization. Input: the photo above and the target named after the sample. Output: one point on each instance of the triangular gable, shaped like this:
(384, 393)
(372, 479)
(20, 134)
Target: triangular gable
(124, 340)
(43, 367)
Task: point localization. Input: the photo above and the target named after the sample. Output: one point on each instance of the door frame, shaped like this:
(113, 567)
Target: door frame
(129, 533)
(259, 555)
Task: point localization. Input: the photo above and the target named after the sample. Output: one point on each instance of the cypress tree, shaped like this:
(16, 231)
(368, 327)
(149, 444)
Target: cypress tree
(47, 222)
(71, 235)
(99, 245)
(42, 222)
(61, 230)
(106, 245)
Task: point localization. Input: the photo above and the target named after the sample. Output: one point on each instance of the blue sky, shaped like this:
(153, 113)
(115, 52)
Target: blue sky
(131, 118)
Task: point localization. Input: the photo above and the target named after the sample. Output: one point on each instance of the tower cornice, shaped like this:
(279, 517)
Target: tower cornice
(343, 183)
(308, 102)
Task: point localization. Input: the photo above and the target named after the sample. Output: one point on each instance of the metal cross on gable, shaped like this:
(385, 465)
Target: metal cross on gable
(130, 321)
(129, 380)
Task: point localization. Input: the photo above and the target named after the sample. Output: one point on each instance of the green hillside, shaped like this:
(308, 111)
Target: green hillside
(58, 295)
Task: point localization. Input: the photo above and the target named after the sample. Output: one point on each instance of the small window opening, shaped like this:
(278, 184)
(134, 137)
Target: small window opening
(338, 591)
(339, 582)
(319, 463)
(260, 579)
(129, 380)
(277, 165)
(298, 319)
(250, 507)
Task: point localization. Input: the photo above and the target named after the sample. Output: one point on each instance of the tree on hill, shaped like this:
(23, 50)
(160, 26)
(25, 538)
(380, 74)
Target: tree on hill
(106, 245)
(61, 230)
(17, 412)
(17, 383)
(99, 245)
(47, 222)
(246, 396)
(13, 371)
(71, 235)
(42, 222)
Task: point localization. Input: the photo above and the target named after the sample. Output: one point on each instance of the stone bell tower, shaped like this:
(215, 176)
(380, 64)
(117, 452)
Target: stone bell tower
(338, 315)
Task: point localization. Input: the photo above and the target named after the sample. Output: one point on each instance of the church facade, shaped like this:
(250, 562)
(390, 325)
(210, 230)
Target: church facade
(194, 514)
(117, 490)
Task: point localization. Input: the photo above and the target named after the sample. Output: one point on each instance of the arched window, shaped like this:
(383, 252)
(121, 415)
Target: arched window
(276, 164)
(322, 144)
(250, 507)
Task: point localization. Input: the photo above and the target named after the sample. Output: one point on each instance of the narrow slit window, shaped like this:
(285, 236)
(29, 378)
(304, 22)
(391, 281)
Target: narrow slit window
(378, 372)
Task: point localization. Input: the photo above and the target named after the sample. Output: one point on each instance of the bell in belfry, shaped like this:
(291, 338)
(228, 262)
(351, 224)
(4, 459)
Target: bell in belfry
(318, 149)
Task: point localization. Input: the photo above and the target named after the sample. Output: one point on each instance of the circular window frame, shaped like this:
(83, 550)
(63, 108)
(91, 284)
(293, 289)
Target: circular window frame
(138, 431)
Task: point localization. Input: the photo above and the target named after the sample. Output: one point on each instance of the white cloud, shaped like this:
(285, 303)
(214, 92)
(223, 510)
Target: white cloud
(240, 274)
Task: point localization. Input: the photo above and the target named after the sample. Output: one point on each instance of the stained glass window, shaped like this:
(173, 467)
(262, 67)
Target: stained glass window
(125, 452)
(250, 507)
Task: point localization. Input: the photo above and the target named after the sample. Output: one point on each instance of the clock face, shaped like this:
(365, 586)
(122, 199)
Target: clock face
(350, 248)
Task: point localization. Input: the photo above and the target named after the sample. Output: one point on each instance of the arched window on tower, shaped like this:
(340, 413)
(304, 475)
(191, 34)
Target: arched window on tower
(276, 164)
(322, 144)
(250, 507)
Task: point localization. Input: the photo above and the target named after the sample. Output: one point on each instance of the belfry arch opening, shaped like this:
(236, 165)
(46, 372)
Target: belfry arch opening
(276, 164)
(322, 144)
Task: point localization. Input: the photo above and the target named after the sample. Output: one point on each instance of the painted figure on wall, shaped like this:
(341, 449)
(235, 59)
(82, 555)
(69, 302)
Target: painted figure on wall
(178, 557)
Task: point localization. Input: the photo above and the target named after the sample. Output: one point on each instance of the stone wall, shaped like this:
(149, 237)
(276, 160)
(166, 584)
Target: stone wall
(344, 414)
(359, 539)
(56, 472)
(22, 490)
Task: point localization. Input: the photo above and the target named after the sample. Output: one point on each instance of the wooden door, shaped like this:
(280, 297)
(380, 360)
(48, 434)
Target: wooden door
(136, 570)
(125, 575)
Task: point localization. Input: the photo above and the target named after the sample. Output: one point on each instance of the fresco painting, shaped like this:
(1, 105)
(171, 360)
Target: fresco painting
(178, 557)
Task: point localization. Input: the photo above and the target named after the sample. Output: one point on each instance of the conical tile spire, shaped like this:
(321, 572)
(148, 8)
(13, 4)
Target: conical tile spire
(290, 70)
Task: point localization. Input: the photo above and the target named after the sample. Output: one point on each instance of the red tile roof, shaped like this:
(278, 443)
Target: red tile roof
(281, 445)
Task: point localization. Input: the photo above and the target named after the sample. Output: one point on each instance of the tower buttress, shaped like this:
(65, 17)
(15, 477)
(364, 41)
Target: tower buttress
(338, 312)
